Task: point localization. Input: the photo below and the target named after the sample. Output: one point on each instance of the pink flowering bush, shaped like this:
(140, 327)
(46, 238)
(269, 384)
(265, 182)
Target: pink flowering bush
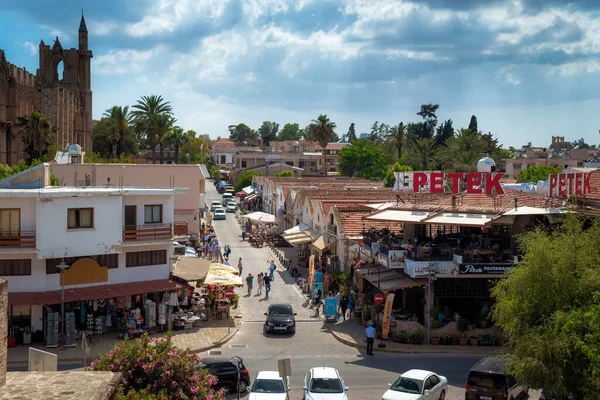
(155, 369)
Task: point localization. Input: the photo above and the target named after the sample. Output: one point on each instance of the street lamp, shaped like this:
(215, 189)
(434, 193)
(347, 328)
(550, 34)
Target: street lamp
(63, 267)
(430, 279)
(188, 157)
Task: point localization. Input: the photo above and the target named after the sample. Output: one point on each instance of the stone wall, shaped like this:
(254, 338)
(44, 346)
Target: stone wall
(60, 105)
(3, 330)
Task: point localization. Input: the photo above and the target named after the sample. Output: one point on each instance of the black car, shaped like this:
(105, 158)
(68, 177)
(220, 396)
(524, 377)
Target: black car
(488, 380)
(280, 318)
(226, 369)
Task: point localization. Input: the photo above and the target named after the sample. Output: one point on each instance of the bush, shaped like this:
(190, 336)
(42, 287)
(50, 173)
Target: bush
(435, 324)
(463, 325)
(156, 366)
(402, 337)
(447, 339)
(418, 337)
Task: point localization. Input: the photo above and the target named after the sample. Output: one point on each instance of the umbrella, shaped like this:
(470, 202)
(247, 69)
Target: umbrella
(222, 278)
(260, 216)
(241, 194)
(224, 268)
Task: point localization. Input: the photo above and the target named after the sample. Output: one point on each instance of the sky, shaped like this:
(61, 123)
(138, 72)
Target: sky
(527, 69)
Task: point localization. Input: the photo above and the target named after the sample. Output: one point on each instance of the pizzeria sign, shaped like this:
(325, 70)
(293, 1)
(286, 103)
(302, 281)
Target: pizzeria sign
(484, 269)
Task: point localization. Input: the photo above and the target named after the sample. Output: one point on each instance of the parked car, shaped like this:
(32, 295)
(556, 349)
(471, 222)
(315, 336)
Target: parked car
(231, 207)
(324, 383)
(268, 385)
(221, 182)
(219, 213)
(222, 188)
(227, 197)
(488, 380)
(227, 370)
(215, 204)
(417, 384)
(280, 318)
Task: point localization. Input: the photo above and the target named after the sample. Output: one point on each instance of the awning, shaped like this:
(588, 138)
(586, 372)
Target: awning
(191, 268)
(298, 228)
(462, 219)
(387, 279)
(251, 197)
(92, 292)
(225, 268)
(260, 216)
(248, 189)
(399, 216)
(321, 244)
(298, 237)
(216, 277)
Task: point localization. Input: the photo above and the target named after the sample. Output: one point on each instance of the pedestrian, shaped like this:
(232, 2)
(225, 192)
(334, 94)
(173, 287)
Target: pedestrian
(261, 283)
(210, 251)
(338, 298)
(226, 261)
(272, 268)
(370, 332)
(344, 306)
(249, 281)
(227, 250)
(267, 280)
(240, 267)
(351, 304)
(243, 233)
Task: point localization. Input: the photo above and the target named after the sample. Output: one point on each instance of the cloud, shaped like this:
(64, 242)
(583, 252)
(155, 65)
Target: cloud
(32, 48)
(508, 75)
(102, 28)
(121, 62)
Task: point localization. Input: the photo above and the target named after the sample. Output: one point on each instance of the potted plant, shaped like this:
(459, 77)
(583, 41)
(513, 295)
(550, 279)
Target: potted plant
(486, 340)
(435, 337)
(463, 341)
(366, 316)
(474, 340)
(447, 339)
(403, 337)
(418, 337)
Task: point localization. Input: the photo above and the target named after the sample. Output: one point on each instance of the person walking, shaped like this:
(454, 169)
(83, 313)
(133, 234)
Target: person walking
(344, 306)
(267, 280)
(240, 267)
(249, 281)
(370, 332)
(210, 251)
(272, 268)
(243, 233)
(338, 298)
(261, 283)
(351, 304)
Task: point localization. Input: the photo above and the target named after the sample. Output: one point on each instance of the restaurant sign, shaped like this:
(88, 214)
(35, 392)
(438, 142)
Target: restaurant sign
(436, 182)
(484, 269)
(383, 259)
(568, 184)
(396, 258)
(416, 269)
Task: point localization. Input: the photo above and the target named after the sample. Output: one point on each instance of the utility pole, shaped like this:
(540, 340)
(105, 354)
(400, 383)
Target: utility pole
(430, 279)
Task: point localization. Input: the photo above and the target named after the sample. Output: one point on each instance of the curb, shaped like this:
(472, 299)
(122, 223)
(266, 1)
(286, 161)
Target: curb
(400, 351)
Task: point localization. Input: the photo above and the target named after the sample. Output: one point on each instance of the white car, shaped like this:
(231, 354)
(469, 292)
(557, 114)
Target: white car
(268, 385)
(324, 383)
(231, 207)
(219, 213)
(417, 384)
(215, 204)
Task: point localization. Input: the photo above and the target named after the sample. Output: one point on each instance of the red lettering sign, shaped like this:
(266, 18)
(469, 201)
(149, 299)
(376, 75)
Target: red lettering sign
(586, 183)
(437, 182)
(562, 185)
(569, 184)
(455, 178)
(553, 182)
(570, 179)
(578, 184)
(475, 182)
(419, 179)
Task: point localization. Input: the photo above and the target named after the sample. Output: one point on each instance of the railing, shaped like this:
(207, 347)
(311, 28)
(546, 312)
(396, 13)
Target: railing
(148, 232)
(17, 239)
(180, 228)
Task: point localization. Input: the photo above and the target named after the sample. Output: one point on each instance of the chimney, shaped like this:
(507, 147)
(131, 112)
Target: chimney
(3, 330)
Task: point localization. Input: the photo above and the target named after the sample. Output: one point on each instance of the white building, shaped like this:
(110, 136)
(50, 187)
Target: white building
(110, 237)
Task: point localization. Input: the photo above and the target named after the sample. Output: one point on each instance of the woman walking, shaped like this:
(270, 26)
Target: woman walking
(249, 281)
(344, 306)
(261, 283)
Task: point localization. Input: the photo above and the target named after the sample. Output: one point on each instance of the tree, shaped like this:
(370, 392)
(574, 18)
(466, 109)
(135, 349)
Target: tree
(145, 114)
(177, 138)
(444, 132)
(285, 173)
(535, 173)
(38, 129)
(323, 131)
(156, 366)
(241, 133)
(390, 179)
(120, 120)
(245, 179)
(162, 124)
(473, 124)
(215, 173)
(426, 152)
(197, 148)
(363, 159)
(268, 131)
(351, 135)
(396, 136)
(428, 113)
(464, 151)
(548, 309)
(290, 132)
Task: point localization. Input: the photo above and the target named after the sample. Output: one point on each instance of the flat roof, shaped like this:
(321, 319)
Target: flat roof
(69, 191)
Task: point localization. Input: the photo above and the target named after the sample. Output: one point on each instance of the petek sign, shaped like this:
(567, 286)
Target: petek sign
(475, 182)
(568, 184)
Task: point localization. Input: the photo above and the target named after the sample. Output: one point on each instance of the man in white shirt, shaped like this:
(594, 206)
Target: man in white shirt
(370, 332)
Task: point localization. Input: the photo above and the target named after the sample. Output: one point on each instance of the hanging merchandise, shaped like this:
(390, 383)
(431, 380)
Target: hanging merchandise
(52, 325)
(166, 298)
(100, 325)
(121, 302)
(162, 314)
(128, 303)
(150, 311)
(70, 329)
(91, 324)
(184, 297)
(174, 302)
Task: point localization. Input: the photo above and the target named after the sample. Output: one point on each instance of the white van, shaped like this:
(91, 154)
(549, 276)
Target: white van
(227, 197)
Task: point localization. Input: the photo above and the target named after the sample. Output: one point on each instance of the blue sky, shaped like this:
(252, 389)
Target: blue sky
(527, 69)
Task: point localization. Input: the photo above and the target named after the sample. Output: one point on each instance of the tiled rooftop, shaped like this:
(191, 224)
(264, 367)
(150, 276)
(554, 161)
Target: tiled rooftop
(353, 224)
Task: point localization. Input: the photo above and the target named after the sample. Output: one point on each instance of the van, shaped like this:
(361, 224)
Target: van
(488, 380)
(227, 197)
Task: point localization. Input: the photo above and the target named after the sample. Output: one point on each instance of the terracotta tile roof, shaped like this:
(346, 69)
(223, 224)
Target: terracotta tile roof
(336, 146)
(224, 141)
(92, 292)
(594, 185)
(353, 224)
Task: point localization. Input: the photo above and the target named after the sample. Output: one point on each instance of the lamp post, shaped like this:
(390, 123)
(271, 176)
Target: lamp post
(430, 279)
(62, 267)
(188, 157)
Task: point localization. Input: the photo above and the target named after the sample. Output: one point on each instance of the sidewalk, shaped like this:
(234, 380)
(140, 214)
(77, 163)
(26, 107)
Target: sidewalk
(352, 333)
(213, 333)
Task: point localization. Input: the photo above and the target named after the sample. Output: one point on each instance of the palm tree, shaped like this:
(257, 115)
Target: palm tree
(322, 129)
(38, 129)
(397, 137)
(121, 119)
(426, 150)
(178, 138)
(144, 113)
(107, 130)
(162, 124)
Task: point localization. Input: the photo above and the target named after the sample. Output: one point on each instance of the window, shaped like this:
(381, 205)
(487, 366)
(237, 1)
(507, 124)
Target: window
(15, 267)
(144, 258)
(223, 161)
(80, 218)
(434, 380)
(104, 260)
(10, 222)
(305, 148)
(153, 214)
(243, 163)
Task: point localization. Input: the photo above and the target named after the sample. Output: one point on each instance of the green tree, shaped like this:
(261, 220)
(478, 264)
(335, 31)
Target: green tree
(396, 136)
(546, 307)
(285, 173)
(268, 131)
(323, 132)
(390, 179)
(120, 118)
(535, 173)
(290, 132)
(215, 173)
(177, 138)
(463, 151)
(428, 113)
(146, 114)
(38, 131)
(162, 125)
(241, 132)
(473, 124)
(425, 152)
(245, 179)
(197, 148)
(351, 135)
(363, 159)
(444, 132)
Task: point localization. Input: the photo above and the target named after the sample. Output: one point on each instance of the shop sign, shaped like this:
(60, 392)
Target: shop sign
(484, 269)
(366, 250)
(572, 183)
(435, 182)
(420, 268)
(84, 271)
(383, 259)
(396, 258)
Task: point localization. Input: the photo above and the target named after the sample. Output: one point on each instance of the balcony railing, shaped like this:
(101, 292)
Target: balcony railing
(148, 232)
(180, 228)
(17, 239)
